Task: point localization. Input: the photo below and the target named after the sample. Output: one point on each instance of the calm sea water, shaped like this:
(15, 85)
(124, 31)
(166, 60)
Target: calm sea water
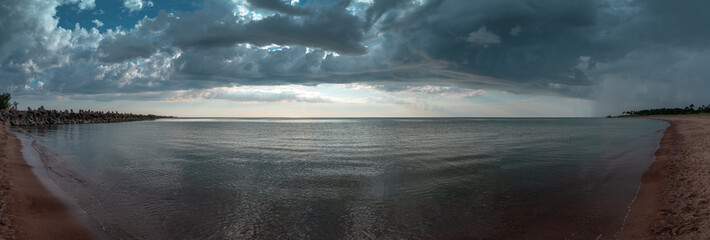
(352, 178)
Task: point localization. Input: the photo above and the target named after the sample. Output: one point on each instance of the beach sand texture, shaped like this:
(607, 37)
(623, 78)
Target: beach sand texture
(673, 200)
(27, 209)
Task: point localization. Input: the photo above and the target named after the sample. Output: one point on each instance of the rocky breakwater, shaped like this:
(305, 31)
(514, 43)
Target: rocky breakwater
(41, 116)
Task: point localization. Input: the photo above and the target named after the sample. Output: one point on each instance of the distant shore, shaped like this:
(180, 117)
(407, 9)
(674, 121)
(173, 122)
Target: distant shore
(673, 202)
(27, 209)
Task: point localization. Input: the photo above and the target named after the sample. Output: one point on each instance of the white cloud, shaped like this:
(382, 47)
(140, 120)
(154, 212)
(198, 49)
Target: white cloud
(233, 94)
(246, 14)
(515, 31)
(447, 91)
(136, 5)
(483, 37)
(431, 90)
(37, 84)
(87, 4)
(584, 63)
(82, 4)
(97, 22)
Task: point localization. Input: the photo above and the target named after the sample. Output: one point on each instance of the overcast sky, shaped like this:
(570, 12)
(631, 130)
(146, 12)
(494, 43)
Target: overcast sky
(311, 58)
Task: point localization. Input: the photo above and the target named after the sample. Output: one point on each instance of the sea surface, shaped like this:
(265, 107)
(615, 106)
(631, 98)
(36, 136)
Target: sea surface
(418, 178)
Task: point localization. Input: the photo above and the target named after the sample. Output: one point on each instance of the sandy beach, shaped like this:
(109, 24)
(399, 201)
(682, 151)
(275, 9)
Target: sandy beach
(27, 209)
(673, 200)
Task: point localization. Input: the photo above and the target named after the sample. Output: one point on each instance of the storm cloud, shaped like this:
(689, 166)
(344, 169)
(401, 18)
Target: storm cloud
(642, 53)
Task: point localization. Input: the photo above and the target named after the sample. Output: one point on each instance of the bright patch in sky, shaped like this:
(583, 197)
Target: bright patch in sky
(37, 83)
(332, 100)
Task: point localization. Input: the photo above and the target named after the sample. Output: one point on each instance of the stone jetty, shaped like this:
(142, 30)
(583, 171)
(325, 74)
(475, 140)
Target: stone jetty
(40, 116)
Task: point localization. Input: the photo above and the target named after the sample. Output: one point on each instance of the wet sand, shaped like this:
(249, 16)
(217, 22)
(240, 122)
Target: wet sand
(27, 209)
(673, 200)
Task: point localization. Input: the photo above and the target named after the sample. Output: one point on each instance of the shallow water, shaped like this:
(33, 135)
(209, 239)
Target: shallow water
(352, 178)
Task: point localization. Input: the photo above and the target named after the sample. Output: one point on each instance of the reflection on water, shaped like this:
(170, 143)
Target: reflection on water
(352, 178)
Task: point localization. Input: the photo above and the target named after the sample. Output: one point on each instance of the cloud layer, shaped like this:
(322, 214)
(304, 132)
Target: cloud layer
(640, 53)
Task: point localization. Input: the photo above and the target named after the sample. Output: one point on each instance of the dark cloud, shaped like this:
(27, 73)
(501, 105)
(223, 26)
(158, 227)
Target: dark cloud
(279, 6)
(672, 24)
(556, 34)
(119, 48)
(379, 8)
(585, 49)
(330, 28)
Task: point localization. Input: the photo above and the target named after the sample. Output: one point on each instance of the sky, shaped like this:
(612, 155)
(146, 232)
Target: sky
(358, 58)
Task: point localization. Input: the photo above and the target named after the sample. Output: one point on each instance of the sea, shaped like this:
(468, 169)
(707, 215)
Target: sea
(351, 178)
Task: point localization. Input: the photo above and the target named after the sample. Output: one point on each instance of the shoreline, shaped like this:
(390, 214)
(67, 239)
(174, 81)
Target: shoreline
(29, 210)
(673, 200)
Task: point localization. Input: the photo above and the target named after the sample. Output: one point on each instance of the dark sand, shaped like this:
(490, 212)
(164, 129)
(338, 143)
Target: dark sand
(674, 195)
(27, 209)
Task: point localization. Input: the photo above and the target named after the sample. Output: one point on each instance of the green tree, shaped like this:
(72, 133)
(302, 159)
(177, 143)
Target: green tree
(4, 101)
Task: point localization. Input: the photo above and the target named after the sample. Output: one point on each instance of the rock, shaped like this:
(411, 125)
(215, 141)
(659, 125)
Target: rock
(42, 116)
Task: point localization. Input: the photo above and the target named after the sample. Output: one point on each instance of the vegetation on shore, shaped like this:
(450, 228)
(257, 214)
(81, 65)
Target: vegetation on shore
(4, 101)
(690, 109)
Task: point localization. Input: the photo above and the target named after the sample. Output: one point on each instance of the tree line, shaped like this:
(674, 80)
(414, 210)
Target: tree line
(690, 109)
(5, 101)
